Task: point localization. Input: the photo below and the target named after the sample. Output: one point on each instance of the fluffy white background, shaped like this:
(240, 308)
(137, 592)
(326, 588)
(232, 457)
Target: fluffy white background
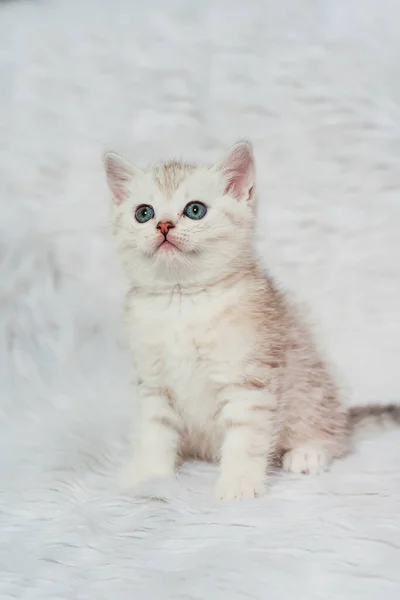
(316, 85)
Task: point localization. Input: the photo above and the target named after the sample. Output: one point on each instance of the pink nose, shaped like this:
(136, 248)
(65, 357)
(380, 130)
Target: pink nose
(165, 226)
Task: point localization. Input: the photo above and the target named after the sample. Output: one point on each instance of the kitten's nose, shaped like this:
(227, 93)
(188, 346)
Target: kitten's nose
(165, 226)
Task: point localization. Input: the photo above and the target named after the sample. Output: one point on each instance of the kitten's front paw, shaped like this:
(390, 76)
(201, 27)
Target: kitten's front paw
(307, 459)
(139, 471)
(239, 487)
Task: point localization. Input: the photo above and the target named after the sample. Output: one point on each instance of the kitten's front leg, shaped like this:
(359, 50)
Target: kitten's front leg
(248, 418)
(158, 439)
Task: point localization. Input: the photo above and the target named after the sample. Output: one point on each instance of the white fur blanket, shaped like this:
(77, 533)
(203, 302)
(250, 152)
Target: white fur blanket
(315, 84)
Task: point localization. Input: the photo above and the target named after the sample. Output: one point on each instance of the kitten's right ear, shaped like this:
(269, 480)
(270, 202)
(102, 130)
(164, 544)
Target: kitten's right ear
(119, 173)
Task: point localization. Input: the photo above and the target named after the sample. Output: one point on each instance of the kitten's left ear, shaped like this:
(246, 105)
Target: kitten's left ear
(239, 170)
(119, 173)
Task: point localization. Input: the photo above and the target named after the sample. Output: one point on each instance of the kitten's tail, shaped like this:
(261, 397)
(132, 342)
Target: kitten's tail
(364, 421)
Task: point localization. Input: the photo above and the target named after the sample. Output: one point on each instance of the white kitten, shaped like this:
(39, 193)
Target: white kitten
(225, 370)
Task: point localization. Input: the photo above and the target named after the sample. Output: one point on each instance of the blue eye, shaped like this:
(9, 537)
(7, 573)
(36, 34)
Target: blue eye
(195, 210)
(144, 213)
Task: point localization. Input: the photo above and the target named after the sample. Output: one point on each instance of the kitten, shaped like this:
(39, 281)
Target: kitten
(225, 369)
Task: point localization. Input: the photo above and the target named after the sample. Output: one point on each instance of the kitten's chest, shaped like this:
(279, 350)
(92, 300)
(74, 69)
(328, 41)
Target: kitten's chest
(173, 349)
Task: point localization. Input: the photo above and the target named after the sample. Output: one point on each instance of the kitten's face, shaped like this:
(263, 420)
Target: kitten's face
(178, 224)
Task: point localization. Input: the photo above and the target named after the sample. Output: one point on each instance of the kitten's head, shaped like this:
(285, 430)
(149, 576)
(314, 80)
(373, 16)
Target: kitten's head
(180, 224)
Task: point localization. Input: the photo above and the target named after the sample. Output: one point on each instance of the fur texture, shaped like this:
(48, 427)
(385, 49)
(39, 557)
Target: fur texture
(226, 370)
(315, 85)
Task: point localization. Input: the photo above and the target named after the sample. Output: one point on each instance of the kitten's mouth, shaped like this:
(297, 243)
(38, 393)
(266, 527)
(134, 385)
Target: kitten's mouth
(167, 246)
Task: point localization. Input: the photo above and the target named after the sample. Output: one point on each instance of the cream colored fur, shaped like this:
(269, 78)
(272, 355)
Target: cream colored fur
(225, 370)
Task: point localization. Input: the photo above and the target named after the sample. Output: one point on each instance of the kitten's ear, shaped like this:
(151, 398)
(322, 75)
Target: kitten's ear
(119, 173)
(239, 171)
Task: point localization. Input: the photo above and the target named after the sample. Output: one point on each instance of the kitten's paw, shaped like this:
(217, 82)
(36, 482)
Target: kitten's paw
(139, 471)
(307, 459)
(239, 487)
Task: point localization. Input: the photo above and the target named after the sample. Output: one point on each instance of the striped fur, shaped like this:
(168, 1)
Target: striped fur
(228, 372)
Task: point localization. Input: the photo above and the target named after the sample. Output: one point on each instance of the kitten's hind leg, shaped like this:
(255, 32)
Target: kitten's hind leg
(310, 458)
(315, 427)
(309, 448)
